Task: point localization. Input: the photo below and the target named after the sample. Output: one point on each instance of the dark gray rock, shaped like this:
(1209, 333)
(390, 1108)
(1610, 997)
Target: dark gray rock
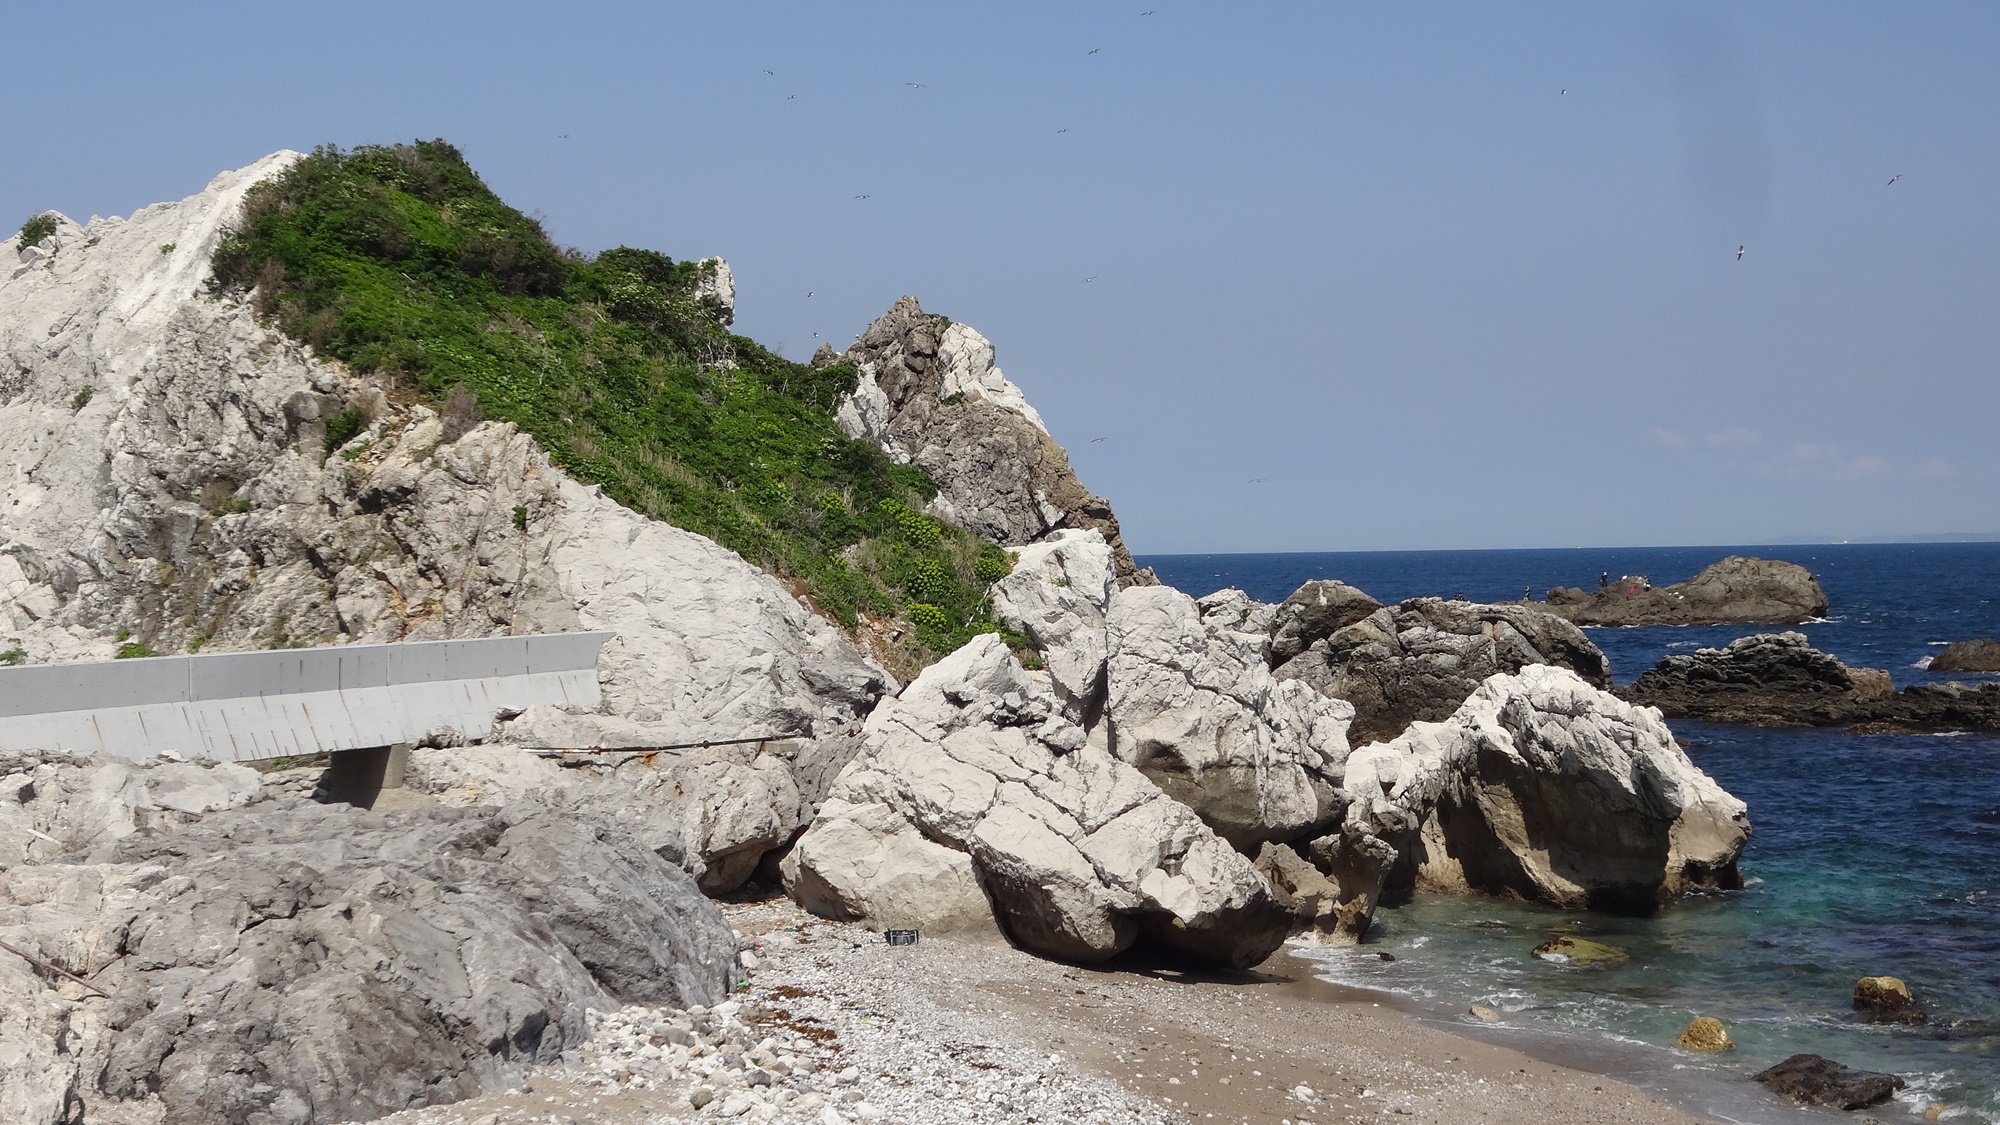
(1812, 1080)
(300, 963)
(1737, 590)
(1981, 655)
(1314, 612)
(1769, 679)
(1779, 679)
(1417, 661)
(929, 394)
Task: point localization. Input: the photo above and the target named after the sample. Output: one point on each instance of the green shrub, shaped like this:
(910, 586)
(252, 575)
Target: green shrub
(400, 261)
(520, 517)
(124, 634)
(37, 228)
(992, 567)
(81, 399)
(344, 427)
(12, 657)
(195, 645)
(133, 650)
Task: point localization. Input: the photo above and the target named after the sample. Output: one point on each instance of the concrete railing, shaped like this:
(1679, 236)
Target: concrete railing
(243, 706)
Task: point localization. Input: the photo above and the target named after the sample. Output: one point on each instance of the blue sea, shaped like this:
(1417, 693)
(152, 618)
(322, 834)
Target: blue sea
(1872, 854)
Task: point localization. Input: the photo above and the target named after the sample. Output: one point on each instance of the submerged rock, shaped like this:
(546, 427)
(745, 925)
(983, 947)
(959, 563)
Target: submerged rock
(974, 798)
(1812, 1080)
(1737, 590)
(1886, 1000)
(1981, 655)
(1581, 951)
(1704, 1033)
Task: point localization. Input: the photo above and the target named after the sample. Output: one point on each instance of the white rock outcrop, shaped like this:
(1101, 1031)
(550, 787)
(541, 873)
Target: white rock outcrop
(1057, 594)
(973, 798)
(165, 474)
(1193, 706)
(52, 805)
(1542, 787)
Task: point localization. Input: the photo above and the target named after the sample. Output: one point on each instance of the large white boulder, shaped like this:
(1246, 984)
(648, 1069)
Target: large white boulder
(1057, 594)
(1078, 855)
(1193, 706)
(54, 805)
(1541, 787)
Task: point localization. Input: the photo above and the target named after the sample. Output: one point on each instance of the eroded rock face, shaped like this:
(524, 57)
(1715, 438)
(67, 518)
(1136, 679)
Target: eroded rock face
(1417, 661)
(1541, 787)
(1057, 594)
(166, 469)
(974, 798)
(930, 395)
(381, 961)
(1980, 655)
(1769, 679)
(1735, 590)
(1195, 708)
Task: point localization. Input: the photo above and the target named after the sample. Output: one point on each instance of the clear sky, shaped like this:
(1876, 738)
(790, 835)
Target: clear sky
(1372, 254)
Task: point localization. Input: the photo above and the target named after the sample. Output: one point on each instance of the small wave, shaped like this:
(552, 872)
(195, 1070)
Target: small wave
(1922, 662)
(1823, 620)
(1937, 644)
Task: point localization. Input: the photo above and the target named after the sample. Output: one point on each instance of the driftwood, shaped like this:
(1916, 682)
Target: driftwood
(58, 969)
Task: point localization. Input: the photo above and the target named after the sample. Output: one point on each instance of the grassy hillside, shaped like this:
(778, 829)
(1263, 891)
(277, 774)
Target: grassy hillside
(400, 261)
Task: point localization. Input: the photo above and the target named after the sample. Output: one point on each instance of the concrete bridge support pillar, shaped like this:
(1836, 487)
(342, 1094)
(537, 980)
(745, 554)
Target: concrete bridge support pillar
(358, 777)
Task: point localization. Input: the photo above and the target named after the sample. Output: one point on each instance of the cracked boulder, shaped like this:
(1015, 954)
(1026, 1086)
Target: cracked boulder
(297, 963)
(1057, 594)
(1192, 705)
(1540, 787)
(974, 798)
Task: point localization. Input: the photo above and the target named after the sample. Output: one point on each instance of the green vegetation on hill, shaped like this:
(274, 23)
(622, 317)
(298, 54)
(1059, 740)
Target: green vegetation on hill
(400, 261)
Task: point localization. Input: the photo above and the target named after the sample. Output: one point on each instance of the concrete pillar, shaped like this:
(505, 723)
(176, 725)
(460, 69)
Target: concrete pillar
(393, 768)
(355, 777)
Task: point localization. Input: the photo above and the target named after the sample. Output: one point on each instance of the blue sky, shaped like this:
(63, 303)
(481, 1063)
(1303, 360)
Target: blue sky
(1371, 254)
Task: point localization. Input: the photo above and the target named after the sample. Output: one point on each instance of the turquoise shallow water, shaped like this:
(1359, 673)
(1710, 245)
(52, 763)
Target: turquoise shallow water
(1871, 854)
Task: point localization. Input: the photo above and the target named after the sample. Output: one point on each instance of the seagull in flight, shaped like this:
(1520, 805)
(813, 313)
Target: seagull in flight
(1094, 50)
(1258, 480)
(1896, 177)
(1095, 440)
(562, 136)
(914, 85)
(1062, 130)
(1092, 277)
(1739, 253)
(1146, 13)
(772, 73)
(1561, 92)
(791, 97)
(810, 292)
(860, 197)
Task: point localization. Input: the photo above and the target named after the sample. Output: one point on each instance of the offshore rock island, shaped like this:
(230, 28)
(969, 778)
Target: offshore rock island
(354, 397)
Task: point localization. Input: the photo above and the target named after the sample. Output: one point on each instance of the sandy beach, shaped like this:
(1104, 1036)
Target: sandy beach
(965, 1028)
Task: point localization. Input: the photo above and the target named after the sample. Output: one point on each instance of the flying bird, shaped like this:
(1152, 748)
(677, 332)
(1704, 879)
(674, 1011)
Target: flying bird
(562, 136)
(810, 292)
(815, 335)
(1559, 93)
(914, 85)
(1896, 177)
(791, 97)
(1095, 440)
(1739, 253)
(1094, 50)
(1062, 130)
(1092, 277)
(1258, 480)
(1146, 13)
(772, 73)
